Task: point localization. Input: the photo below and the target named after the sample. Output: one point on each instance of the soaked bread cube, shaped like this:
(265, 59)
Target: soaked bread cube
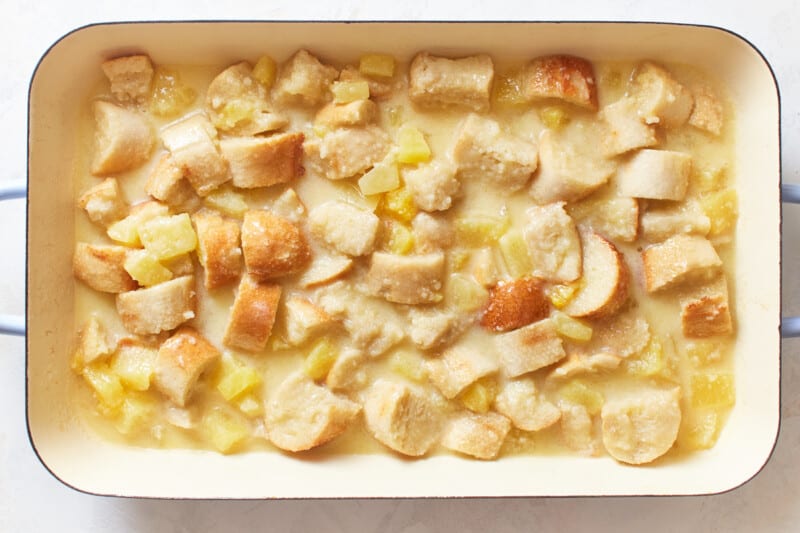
(304, 320)
(346, 228)
(478, 435)
(529, 348)
(180, 361)
(553, 243)
(660, 98)
(191, 141)
(264, 161)
(514, 304)
(527, 410)
(412, 279)
(123, 139)
(304, 80)
(162, 307)
(458, 367)
(679, 259)
(356, 113)
(442, 82)
(252, 315)
(347, 152)
(104, 202)
(130, 78)
(705, 311)
(566, 78)
(167, 183)
(218, 249)
(102, 267)
(626, 130)
(655, 174)
(272, 246)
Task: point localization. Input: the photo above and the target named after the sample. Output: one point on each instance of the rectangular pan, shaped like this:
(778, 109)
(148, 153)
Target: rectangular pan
(88, 463)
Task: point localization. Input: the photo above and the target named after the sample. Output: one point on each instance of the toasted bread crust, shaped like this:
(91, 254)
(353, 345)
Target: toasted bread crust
(567, 78)
(514, 304)
(101, 267)
(272, 246)
(264, 161)
(253, 315)
(181, 360)
(218, 248)
(705, 312)
(601, 258)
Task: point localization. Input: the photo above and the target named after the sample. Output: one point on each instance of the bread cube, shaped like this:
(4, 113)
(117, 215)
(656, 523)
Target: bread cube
(705, 310)
(289, 206)
(442, 82)
(433, 186)
(623, 334)
(529, 348)
(252, 315)
(130, 77)
(272, 246)
(402, 418)
(93, 343)
(102, 267)
(458, 367)
(352, 114)
(482, 152)
(579, 363)
(660, 98)
(264, 161)
(577, 429)
(431, 328)
(162, 307)
(604, 285)
(431, 233)
(325, 269)
(123, 139)
(218, 248)
(347, 372)
(660, 224)
(625, 129)
(347, 152)
(478, 435)
(514, 304)
(416, 279)
(302, 415)
(554, 245)
(166, 183)
(304, 80)
(615, 218)
(679, 259)
(346, 228)
(708, 112)
(104, 202)
(304, 320)
(518, 400)
(191, 141)
(563, 77)
(655, 174)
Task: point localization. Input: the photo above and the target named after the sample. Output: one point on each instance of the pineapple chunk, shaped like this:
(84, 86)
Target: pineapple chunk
(712, 390)
(708, 179)
(170, 96)
(233, 112)
(345, 92)
(702, 353)
(250, 405)
(400, 239)
(459, 259)
(126, 231)
(399, 204)
(135, 413)
(479, 396)
(228, 202)
(146, 269)
(464, 293)
(168, 236)
(481, 230)
(134, 364)
(571, 328)
(561, 295)
(320, 360)
(554, 117)
(576, 391)
(722, 210)
(106, 385)
(395, 115)
(224, 429)
(382, 178)
(699, 430)
(264, 71)
(376, 65)
(515, 253)
(651, 362)
(408, 364)
(507, 90)
(236, 378)
(412, 147)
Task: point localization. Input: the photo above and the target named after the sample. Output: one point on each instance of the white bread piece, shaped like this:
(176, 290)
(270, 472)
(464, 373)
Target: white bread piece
(433, 185)
(162, 307)
(167, 183)
(519, 401)
(679, 259)
(102, 267)
(577, 429)
(192, 143)
(705, 310)
(483, 266)
(642, 427)
(348, 373)
(515, 303)
(289, 206)
(622, 335)
(562, 77)
(218, 248)
(351, 114)
(346, 152)
(554, 245)
(617, 218)
(304, 80)
(104, 202)
(604, 286)
(402, 418)
(302, 415)
(93, 343)
(658, 225)
(373, 325)
(625, 129)
(483, 152)
(431, 328)
(655, 174)
(477, 435)
(346, 228)
(123, 139)
(235, 86)
(431, 233)
(304, 320)
(180, 361)
(568, 170)
(272, 246)
(252, 315)
(442, 82)
(379, 89)
(660, 98)
(458, 367)
(407, 279)
(325, 268)
(530, 348)
(708, 113)
(578, 363)
(264, 161)
(130, 78)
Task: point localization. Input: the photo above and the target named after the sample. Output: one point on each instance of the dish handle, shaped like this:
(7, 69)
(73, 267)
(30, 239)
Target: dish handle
(9, 190)
(790, 325)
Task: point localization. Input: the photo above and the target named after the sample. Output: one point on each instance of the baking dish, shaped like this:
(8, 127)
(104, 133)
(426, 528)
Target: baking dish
(89, 463)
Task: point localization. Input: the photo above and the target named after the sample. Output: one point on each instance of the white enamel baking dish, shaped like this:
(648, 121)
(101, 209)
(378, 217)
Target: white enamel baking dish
(88, 463)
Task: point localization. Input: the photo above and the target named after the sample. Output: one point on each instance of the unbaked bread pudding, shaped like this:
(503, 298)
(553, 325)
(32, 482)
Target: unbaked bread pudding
(449, 254)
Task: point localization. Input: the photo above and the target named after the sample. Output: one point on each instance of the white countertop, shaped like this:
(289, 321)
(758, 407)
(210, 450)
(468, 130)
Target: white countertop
(32, 500)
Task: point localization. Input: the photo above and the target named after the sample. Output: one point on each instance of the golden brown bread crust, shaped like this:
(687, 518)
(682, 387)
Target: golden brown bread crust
(564, 77)
(611, 262)
(252, 315)
(101, 267)
(272, 245)
(180, 361)
(514, 304)
(166, 183)
(264, 161)
(705, 312)
(218, 248)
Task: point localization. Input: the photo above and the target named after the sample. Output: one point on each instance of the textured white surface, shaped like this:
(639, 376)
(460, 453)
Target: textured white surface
(32, 500)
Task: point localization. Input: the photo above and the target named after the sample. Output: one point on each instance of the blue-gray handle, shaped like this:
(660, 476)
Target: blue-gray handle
(790, 326)
(10, 189)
